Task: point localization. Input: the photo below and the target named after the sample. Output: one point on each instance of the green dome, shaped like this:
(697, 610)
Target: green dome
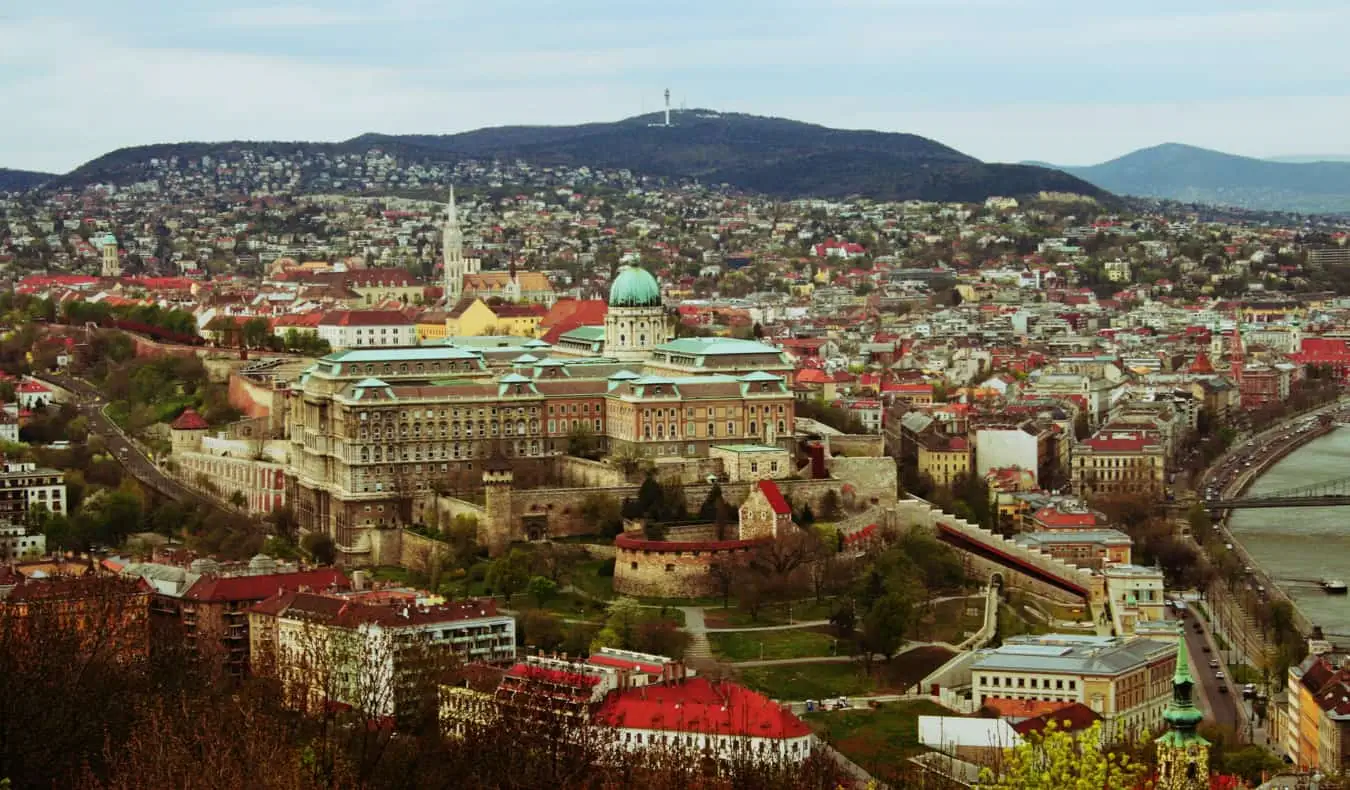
(634, 287)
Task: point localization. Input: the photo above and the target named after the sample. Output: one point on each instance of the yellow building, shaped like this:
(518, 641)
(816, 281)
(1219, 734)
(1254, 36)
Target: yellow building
(945, 461)
(520, 320)
(470, 316)
(431, 325)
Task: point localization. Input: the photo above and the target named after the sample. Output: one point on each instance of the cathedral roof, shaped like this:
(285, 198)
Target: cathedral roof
(634, 287)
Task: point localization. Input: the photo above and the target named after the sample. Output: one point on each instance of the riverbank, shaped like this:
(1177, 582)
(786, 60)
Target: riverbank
(1234, 619)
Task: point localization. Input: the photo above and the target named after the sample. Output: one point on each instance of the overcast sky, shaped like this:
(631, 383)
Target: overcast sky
(1005, 80)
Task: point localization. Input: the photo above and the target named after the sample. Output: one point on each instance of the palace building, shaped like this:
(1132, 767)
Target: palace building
(374, 431)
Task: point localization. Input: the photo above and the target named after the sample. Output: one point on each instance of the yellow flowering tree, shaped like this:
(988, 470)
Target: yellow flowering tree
(1058, 760)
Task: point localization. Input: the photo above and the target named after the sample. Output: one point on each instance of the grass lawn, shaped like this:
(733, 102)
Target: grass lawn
(745, 645)
(879, 739)
(808, 681)
(948, 621)
(586, 577)
(769, 614)
(912, 666)
(569, 605)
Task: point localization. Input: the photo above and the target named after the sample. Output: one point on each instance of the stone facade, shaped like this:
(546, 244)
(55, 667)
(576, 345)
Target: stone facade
(673, 568)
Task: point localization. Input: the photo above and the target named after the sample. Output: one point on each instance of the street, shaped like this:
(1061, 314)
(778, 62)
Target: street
(1219, 707)
(90, 405)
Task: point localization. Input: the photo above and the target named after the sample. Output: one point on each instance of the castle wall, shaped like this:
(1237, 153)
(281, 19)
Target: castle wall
(561, 507)
(856, 444)
(641, 570)
(579, 472)
(873, 479)
(250, 397)
(415, 552)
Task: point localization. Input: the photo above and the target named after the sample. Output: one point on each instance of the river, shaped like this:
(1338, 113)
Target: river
(1305, 543)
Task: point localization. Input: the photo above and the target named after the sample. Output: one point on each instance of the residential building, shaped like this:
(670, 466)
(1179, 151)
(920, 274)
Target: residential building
(105, 614)
(1086, 548)
(367, 329)
(1125, 681)
(24, 486)
(378, 658)
(17, 543)
(214, 610)
(1115, 462)
(944, 459)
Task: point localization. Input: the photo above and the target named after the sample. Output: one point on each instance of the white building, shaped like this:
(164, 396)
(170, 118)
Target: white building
(367, 329)
(16, 543)
(1001, 448)
(700, 715)
(33, 394)
(24, 486)
(1125, 681)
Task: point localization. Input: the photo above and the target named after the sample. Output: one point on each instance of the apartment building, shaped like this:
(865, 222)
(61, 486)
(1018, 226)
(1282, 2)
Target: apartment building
(367, 329)
(1127, 682)
(1115, 462)
(944, 459)
(327, 648)
(24, 486)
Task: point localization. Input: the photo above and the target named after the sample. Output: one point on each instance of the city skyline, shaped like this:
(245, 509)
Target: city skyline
(1001, 81)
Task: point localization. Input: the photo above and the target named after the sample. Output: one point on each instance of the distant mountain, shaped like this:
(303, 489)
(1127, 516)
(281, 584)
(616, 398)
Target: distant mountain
(22, 180)
(768, 155)
(1302, 159)
(1198, 175)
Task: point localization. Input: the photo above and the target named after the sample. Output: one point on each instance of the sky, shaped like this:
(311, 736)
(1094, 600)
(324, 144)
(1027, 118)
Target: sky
(1004, 80)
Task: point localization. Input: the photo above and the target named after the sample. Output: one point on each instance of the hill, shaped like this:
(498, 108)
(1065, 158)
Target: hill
(22, 180)
(1199, 175)
(767, 155)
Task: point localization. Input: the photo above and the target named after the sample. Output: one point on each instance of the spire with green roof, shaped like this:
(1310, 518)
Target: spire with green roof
(1181, 715)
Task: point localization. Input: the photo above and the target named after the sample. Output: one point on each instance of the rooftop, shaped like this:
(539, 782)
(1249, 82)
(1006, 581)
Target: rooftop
(1073, 654)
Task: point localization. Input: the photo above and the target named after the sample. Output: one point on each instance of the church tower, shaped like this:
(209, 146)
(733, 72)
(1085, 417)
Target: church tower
(112, 264)
(455, 265)
(1183, 756)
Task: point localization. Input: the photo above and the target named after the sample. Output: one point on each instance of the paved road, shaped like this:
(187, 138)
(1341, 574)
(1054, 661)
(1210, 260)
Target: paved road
(753, 628)
(1221, 707)
(90, 403)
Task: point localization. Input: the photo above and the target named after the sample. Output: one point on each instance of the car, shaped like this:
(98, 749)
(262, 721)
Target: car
(1205, 648)
(1213, 663)
(1223, 688)
(1219, 675)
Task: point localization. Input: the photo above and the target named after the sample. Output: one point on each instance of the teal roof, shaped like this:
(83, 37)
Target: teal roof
(514, 378)
(748, 448)
(634, 287)
(714, 346)
(107, 239)
(760, 375)
(624, 375)
(405, 354)
(1181, 714)
(585, 333)
(525, 359)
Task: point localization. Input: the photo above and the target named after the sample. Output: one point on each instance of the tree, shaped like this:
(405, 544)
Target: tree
(509, 574)
(540, 629)
(320, 547)
(1057, 760)
(885, 624)
(256, 332)
(583, 443)
(604, 512)
(542, 589)
(621, 624)
(238, 499)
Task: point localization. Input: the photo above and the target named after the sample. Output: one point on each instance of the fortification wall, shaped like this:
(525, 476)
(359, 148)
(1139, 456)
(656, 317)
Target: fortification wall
(857, 444)
(416, 552)
(873, 479)
(917, 512)
(581, 473)
(643, 569)
(561, 507)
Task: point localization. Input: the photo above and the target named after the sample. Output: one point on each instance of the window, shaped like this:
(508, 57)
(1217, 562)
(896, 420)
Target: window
(670, 567)
(633, 565)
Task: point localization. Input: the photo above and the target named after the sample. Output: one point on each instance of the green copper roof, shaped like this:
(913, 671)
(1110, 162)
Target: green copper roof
(712, 346)
(634, 287)
(1181, 714)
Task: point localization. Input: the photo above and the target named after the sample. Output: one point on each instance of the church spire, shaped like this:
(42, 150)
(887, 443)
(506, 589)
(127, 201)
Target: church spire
(452, 255)
(1183, 756)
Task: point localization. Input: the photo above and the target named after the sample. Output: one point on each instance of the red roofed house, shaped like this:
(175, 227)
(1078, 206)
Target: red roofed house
(701, 714)
(367, 329)
(214, 610)
(33, 394)
(1064, 516)
(1113, 462)
(568, 314)
(765, 513)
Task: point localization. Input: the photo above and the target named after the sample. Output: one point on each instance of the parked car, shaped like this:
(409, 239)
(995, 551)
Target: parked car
(1219, 675)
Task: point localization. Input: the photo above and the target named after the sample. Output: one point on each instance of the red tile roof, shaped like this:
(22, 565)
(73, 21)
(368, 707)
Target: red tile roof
(698, 705)
(568, 314)
(775, 497)
(256, 588)
(366, 318)
(189, 420)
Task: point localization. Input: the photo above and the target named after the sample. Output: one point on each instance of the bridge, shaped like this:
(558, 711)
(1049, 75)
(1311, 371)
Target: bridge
(1328, 493)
